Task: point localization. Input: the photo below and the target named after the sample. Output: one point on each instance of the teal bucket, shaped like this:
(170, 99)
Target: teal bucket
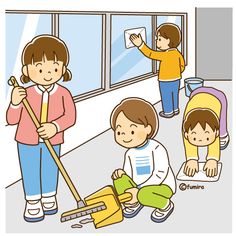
(192, 83)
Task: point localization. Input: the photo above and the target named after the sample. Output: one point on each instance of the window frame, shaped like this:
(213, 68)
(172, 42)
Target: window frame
(106, 85)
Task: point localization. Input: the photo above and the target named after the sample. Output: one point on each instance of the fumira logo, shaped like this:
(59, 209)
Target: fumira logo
(184, 187)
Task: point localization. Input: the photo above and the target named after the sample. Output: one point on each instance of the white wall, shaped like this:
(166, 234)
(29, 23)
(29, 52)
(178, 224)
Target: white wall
(93, 114)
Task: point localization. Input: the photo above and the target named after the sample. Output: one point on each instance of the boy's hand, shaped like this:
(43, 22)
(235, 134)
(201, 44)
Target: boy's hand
(117, 174)
(47, 130)
(17, 95)
(191, 167)
(136, 39)
(134, 192)
(211, 168)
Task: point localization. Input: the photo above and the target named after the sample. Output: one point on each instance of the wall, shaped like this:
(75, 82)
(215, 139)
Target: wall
(93, 114)
(214, 43)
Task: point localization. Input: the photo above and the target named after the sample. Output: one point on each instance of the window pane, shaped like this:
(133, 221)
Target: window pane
(83, 37)
(20, 29)
(169, 19)
(128, 63)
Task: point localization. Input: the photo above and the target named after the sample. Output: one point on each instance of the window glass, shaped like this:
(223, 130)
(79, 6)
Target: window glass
(128, 63)
(20, 29)
(83, 37)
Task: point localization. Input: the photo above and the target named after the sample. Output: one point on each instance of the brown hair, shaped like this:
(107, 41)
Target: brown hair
(49, 46)
(203, 117)
(138, 111)
(171, 32)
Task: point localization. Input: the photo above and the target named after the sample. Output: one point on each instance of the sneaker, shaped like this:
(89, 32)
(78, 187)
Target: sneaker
(176, 112)
(132, 210)
(224, 141)
(49, 205)
(160, 215)
(33, 211)
(162, 114)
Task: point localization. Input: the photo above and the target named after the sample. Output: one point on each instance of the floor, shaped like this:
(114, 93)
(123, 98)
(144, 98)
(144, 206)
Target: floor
(205, 209)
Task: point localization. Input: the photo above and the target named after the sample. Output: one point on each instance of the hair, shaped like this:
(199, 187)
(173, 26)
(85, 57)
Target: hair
(138, 111)
(171, 32)
(203, 117)
(49, 46)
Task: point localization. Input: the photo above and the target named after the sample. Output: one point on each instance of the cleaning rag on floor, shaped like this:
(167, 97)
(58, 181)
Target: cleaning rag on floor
(200, 175)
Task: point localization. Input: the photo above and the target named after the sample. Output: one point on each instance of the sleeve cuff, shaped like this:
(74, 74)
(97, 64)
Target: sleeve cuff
(15, 106)
(192, 158)
(212, 158)
(58, 127)
(141, 46)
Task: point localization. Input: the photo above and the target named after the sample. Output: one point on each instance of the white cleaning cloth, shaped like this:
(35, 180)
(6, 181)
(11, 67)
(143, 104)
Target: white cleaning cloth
(137, 31)
(200, 176)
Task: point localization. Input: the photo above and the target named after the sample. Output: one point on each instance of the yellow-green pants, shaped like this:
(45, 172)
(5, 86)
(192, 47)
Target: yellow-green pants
(152, 195)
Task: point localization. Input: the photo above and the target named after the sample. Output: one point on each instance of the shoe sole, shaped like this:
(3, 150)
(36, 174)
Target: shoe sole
(33, 220)
(163, 219)
(50, 212)
(224, 147)
(170, 116)
(133, 214)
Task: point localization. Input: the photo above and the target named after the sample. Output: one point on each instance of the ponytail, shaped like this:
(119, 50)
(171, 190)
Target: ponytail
(24, 79)
(67, 76)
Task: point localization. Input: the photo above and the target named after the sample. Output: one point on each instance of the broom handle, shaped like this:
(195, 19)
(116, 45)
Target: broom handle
(57, 160)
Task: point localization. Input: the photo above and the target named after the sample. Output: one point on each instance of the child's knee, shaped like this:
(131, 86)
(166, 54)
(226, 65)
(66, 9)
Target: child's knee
(123, 178)
(122, 183)
(143, 195)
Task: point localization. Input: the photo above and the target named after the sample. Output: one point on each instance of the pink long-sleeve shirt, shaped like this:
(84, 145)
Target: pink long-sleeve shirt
(61, 111)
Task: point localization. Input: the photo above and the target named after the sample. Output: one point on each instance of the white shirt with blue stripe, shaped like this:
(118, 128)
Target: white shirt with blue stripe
(149, 165)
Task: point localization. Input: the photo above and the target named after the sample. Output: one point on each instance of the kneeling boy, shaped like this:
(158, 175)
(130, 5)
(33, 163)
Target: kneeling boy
(146, 173)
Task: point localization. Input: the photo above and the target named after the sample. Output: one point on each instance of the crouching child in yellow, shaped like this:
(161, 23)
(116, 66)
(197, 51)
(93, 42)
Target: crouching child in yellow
(205, 125)
(146, 172)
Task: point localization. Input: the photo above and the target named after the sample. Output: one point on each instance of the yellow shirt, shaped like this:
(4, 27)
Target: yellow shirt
(208, 101)
(171, 62)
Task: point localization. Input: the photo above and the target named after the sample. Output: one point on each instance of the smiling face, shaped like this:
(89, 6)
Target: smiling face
(162, 43)
(45, 72)
(200, 137)
(129, 134)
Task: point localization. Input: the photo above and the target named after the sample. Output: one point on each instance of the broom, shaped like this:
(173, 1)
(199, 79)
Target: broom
(82, 209)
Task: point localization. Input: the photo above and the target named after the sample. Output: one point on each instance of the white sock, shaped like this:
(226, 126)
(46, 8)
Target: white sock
(33, 201)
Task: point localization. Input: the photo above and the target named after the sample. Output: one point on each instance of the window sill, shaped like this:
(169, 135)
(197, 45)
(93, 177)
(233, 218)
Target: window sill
(119, 85)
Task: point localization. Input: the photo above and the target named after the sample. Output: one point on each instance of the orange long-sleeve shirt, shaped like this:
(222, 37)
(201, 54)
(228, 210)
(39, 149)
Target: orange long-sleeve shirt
(171, 62)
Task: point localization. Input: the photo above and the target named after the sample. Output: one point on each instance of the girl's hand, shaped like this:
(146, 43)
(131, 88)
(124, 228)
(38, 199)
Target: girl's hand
(117, 174)
(47, 130)
(136, 39)
(17, 95)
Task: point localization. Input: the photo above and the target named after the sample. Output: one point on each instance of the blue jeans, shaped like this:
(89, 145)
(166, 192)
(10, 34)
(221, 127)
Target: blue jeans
(170, 95)
(38, 169)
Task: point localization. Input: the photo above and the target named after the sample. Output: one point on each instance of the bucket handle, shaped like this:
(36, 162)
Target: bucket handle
(189, 88)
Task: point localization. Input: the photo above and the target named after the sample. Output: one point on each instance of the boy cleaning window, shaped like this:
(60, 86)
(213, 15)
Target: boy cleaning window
(168, 37)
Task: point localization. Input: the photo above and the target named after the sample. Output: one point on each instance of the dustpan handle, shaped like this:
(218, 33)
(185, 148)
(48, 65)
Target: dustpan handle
(13, 82)
(125, 197)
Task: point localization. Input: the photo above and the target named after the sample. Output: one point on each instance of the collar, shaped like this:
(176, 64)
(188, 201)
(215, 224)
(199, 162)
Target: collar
(51, 90)
(143, 146)
(171, 49)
